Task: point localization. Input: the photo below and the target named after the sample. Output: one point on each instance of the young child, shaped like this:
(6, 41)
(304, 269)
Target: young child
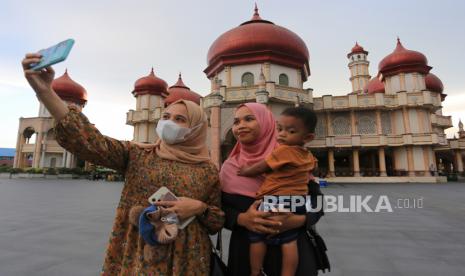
(288, 170)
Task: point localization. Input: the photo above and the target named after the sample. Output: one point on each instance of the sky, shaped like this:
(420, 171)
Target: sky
(118, 42)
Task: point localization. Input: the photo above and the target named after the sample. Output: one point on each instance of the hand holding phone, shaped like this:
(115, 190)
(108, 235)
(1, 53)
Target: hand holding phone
(53, 55)
(164, 194)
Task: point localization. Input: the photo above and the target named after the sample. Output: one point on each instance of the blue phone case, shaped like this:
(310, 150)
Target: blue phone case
(54, 54)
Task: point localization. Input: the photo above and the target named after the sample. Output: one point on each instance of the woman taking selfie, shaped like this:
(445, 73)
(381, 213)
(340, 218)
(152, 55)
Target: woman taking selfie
(179, 161)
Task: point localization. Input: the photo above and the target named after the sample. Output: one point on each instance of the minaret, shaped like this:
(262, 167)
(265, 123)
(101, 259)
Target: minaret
(261, 95)
(461, 131)
(150, 92)
(358, 65)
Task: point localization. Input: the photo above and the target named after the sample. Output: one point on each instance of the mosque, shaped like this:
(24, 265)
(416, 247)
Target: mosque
(388, 128)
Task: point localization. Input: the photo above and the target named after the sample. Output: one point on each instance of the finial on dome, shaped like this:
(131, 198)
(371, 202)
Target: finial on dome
(66, 71)
(151, 72)
(460, 125)
(179, 76)
(256, 15)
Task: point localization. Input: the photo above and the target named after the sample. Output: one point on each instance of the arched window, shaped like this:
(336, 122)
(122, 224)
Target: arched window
(53, 162)
(283, 80)
(247, 79)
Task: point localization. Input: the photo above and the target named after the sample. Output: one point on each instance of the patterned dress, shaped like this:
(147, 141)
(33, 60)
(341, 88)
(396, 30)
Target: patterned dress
(145, 173)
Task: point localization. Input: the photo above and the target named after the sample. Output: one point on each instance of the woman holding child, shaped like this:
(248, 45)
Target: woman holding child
(255, 130)
(179, 161)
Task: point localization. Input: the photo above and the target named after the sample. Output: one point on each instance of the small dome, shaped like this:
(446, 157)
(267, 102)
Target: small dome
(402, 60)
(69, 90)
(256, 41)
(374, 86)
(180, 91)
(433, 83)
(357, 49)
(150, 84)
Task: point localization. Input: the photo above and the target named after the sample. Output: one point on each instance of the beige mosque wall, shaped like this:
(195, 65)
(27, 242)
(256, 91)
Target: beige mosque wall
(399, 122)
(295, 79)
(239, 70)
(414, 124)
(418, 159)
(278, 108)
(400, 157)
(48, 160)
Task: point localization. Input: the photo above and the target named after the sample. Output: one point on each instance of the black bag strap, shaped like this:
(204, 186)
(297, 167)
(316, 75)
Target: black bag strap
(219, 244)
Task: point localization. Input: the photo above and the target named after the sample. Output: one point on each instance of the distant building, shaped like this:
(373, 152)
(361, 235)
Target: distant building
(390, 125)
(7, 156)
(36, 145)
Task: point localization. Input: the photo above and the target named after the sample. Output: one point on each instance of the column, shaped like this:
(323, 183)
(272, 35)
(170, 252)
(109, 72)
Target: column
(411, 168)
(331, 163)
(459, 161)
(329, 128)
(378, 122)
(63, 161)
(37, 150)
(382, 162)
(19, 141)
(44, 148)
(356, 161)
(406, 119)
(215, 138)
(69, 158)
(352, 122)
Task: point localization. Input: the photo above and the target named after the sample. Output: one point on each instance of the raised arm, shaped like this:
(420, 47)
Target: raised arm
(73, 130)
(41, 83)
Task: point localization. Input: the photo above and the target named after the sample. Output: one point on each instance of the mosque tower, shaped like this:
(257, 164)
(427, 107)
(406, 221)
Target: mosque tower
(44, 150)
(150, 92)
(358, 65)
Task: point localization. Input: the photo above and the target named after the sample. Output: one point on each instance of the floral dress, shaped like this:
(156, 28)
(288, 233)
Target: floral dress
(145, 173)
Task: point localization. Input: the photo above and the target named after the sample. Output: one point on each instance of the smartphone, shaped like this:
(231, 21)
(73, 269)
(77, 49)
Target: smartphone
(53, 55)
(164, 194)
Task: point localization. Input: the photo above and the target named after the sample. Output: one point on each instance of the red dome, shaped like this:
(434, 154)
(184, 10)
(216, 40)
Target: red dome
(256, 41)
(69, 90)
(374, 86)
(180, 91)
(357, 49)
(402, 60)
(150, 85)
(433, 83)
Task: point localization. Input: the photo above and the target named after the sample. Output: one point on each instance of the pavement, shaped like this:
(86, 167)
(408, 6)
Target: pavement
(61, 227)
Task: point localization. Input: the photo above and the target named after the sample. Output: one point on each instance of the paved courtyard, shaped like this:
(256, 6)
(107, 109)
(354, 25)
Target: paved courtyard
(61, 227)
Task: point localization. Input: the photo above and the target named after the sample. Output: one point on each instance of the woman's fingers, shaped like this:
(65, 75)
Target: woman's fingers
(50, 70)
(32, 72)
(171, 210)
(266, 222)
(264, 230)
(28, 61)
(33, 55)
(165, 203)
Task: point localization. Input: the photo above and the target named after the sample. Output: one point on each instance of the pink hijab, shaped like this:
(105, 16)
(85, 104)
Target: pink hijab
(243, 154)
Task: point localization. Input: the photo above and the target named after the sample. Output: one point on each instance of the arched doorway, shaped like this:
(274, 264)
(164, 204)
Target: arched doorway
(227, 145)
(53, 162)
(29, 135)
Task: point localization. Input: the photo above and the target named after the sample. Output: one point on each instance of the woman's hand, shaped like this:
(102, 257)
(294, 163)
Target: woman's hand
(184, 208)
(257, 221)
(40, 81)
(288, 221)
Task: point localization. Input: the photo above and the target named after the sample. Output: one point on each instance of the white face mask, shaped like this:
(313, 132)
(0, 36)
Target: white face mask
(172, 133)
